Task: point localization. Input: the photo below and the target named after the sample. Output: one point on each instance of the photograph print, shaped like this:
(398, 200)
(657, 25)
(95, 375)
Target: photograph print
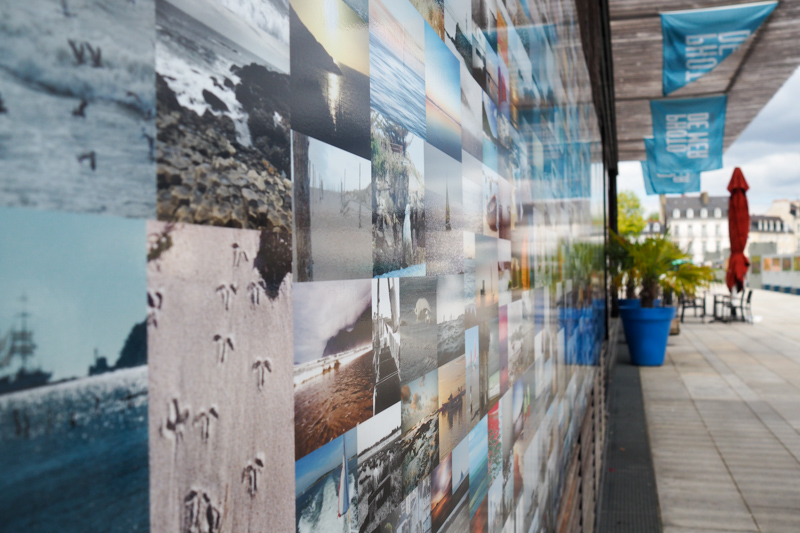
(73, 372)
(386, 342)
(420, 426)
(478, 465)
(433, 12)
(454, 423)
(77, 106)
(418, 329)
(326, 487)
(398, 197)
(330, 74)
(334, 376)
(397, 63)
(458, 28)
(222, 83)
(450, 308)
(380, 469)
(458, 518)
(443, 96)
(332, 212)
(443, 214)
(415, 510)
(220, 345)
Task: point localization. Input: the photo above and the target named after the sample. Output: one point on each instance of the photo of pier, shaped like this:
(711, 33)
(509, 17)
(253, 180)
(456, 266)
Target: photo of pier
(454, 421)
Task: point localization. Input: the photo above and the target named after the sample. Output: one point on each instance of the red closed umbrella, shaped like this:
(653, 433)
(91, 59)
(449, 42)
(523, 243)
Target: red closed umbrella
(738, 227)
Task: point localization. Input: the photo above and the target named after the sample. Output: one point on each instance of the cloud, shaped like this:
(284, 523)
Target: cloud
(405, 394)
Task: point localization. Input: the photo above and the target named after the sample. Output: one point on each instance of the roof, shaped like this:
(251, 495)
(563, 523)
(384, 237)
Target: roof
(778, 226)
(649, 229)
(750, 76)
(696, 204)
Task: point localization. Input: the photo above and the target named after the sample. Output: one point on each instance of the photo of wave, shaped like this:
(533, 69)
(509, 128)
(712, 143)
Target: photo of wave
(223, 113)
(478, 465)
(443, 96)
(420, 425)
(77, 106)
(330, 82)
(398, 198)
(418, 328)
(443, 214)
(220, 346)
(380, 468)
(454, 423)
(450, 311)
(334, 375)
(324, 503)
(397, 63)
(332, 212)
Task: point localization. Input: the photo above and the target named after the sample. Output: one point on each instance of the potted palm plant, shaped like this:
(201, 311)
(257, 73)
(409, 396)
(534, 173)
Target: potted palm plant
(658, 265)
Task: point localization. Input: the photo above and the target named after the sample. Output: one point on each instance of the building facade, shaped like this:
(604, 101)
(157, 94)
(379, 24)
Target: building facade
(768, 228)
(698, 224)
(789, 212)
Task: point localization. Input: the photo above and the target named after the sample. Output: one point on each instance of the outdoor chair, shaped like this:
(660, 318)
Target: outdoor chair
(743, 307)
(695, 303)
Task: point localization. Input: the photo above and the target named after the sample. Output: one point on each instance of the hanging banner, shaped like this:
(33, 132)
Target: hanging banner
(688, 133)
(656, 182)
(696, 41)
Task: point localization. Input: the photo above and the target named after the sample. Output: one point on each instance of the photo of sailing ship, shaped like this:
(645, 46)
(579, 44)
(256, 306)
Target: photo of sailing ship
(443, 96)
(77, 102)
(397, 63)
(222, 83)
(450, 309)
(443, 214)
(398, 197)
(220, 348)
(332, 212)
(420, 424)
(326, 487)
(334, 376)
(454, 423)
(73, 372)
(330, 74)
(380, 468)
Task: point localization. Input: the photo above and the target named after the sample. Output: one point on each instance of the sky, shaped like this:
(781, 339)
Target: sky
(333, 165)
(420, 398)
(460, 459)
(85, 278)
(378, 427)
(322, 460)
(478, 445)
(442, 174)
(338, 29)
(450, 301)
(321, 309)
(442, 75)
(767, 151)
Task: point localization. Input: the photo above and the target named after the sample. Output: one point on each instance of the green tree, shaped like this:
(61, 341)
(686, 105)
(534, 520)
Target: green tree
(630, 214)
(654, 216)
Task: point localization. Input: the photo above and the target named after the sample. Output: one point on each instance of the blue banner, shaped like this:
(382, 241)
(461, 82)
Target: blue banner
(656, 182)
(698, 40)
(688, 133)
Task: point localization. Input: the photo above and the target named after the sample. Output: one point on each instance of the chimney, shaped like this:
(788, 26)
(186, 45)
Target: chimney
(704, 198)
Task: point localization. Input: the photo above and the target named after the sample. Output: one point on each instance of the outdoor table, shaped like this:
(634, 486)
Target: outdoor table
(723, 302)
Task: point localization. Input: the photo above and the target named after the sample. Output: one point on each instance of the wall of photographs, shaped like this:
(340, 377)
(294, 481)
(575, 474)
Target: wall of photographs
(294, 265)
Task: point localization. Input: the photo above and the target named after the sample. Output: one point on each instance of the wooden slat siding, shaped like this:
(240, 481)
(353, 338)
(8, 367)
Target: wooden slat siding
(750, 76)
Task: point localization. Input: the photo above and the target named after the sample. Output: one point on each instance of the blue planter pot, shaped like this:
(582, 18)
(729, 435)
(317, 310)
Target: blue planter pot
(647, 331)
(656, 302)
(629, 302)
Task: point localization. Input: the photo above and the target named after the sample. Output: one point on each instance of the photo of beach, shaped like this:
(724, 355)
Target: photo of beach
(223, 147)
(450, 308)
(443, 214)
(454, 423)
(334, 376)
(220, 380)
(77, 106)
(418, 328)
(332, 212)
(433, 13)
(443, 96)
(397, 63)
(380, 462)
(478, 465)
(326, 487)
(420, 426)
(398, 197)
(330, 74)
(73, 372)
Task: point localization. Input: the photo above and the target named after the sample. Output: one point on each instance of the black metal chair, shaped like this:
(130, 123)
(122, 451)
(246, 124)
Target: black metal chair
(695, 303)
(743, 307)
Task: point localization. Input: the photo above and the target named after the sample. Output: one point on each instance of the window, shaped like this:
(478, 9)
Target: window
(703, 246)
(719, 246)
(676, 213)
(717, 213)
(690, 213)
(689, 230)
(760, 225)
(718, 230)
(656, 227)
(704, 213)
(677, 231)
(703, 230)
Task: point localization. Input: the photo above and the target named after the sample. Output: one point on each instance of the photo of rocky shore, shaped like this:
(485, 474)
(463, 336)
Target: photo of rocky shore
(223, 119)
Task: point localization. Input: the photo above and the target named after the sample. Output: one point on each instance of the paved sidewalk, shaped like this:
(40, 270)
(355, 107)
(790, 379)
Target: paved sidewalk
(723, 416)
